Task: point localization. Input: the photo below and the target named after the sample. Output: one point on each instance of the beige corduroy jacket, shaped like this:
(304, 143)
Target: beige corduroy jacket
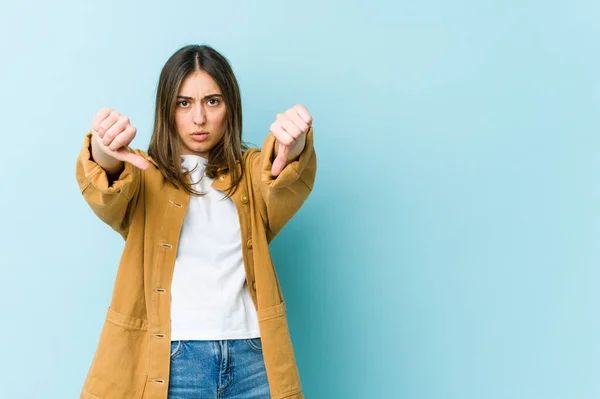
(132, 358)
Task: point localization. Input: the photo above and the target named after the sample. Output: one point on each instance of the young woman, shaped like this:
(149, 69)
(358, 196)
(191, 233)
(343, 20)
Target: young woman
(197, 310)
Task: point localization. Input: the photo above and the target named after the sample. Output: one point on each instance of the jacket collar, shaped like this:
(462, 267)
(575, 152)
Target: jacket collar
(238, 164)
(222, 182)
(152, 161)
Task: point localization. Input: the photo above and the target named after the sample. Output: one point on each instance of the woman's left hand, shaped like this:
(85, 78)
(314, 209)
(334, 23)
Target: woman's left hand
(290, 130)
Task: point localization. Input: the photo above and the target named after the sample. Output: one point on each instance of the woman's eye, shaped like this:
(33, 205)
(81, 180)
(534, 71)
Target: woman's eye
(183, 103)
(215, 101)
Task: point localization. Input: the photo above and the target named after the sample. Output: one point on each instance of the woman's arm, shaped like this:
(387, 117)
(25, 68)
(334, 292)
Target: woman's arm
(111, 198)
(108, 171)
(282, 196)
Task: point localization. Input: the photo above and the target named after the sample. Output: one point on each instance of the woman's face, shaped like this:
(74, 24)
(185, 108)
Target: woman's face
(200, 115)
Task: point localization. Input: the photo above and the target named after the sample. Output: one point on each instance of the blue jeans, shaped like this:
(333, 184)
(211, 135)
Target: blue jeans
(225, 369)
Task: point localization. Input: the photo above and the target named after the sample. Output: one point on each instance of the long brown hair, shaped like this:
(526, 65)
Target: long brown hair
(164, 145)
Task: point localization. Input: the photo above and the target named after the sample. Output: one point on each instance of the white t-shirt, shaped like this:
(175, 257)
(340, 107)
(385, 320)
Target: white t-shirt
(209, 295)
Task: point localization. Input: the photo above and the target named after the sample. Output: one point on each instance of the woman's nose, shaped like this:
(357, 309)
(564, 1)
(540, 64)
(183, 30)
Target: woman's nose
(199, 117)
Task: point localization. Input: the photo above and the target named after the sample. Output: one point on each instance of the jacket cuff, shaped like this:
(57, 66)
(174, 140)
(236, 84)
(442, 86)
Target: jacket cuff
(93, 174)
(293, 171)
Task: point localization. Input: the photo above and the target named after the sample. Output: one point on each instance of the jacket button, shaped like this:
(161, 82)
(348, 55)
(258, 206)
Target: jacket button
(249, 243)
(254, 285)
(244, 198)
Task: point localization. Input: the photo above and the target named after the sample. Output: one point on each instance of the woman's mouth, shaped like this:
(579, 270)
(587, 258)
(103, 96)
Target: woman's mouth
(199, 136)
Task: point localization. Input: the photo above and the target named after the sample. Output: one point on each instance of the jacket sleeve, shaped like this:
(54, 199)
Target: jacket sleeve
(283, 195)
(113, 204)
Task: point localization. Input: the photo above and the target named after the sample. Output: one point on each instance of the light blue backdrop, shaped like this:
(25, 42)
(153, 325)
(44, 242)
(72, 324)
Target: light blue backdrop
(450, 246)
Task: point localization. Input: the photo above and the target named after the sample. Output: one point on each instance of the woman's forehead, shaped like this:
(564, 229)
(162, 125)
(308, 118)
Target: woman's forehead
(199, 84)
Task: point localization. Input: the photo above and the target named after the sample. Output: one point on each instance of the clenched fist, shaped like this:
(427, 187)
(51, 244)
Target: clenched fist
(290, 130)
(114, 132)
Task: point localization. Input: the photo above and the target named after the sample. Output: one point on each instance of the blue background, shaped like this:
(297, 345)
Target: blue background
(449, 249)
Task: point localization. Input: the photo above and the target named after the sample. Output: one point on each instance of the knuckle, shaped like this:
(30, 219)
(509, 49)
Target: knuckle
(102, 113)
(115, 144)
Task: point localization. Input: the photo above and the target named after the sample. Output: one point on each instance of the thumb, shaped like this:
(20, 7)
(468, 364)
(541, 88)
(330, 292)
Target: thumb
(280, 161)
(132, 158)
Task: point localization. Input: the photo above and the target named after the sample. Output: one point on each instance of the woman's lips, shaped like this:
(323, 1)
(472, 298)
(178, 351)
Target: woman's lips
(200, 136)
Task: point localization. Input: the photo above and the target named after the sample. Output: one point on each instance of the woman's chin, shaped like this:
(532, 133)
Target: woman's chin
(197, 149)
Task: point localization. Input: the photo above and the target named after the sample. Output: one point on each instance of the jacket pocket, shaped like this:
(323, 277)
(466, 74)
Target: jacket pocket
(118, 369)
(278, 353)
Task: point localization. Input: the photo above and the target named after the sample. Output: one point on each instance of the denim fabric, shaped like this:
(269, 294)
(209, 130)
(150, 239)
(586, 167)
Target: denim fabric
(224, 369)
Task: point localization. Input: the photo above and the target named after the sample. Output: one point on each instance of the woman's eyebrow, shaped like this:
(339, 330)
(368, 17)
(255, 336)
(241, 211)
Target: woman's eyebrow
(204, 98)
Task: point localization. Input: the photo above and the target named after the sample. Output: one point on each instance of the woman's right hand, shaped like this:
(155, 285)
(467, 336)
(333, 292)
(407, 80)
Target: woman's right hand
(113, 133)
